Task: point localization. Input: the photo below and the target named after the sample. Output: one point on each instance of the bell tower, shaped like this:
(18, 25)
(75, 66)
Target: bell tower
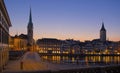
(30, 32)
(103, 33)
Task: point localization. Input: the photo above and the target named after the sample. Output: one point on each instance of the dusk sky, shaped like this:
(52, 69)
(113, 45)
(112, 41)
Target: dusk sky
(66, 19)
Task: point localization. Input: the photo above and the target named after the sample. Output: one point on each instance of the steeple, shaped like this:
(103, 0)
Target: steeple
(103, 28)
(30, 31)
(30, 18)
(103, 33)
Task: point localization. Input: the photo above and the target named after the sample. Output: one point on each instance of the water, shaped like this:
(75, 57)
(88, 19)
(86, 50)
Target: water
(87, 60)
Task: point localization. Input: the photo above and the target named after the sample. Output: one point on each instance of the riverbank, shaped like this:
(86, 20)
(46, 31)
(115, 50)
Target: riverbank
(32, 63)
(76, 55)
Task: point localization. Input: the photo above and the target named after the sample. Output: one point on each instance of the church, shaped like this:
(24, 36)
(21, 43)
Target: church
(24, 41)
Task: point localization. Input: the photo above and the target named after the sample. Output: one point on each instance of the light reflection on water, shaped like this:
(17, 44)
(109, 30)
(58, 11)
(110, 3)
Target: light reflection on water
(83, 60)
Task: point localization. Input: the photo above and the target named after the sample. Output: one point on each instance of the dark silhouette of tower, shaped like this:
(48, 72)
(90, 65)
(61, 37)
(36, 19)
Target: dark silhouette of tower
(30, 32)
(103, 33)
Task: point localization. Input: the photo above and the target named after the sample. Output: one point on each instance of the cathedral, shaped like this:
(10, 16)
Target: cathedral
(103, 33)
(30, 32)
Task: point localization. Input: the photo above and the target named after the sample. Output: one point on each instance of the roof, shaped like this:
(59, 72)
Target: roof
(103, 28)
(22, 36)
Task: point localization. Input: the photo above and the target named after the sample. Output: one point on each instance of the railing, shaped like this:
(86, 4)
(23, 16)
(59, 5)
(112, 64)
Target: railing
(76, 55)
(110, 69)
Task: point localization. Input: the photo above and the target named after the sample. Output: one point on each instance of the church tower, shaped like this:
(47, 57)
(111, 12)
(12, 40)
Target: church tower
(103, 33)
(30, 32)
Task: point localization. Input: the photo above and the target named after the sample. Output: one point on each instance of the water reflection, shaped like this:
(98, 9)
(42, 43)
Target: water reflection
(87, 60)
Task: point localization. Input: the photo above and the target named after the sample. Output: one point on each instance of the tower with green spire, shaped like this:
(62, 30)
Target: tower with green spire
(30, 31)
(103, 33)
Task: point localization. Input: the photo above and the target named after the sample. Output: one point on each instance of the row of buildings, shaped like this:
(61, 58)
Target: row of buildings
(96, 46)
(48, 45)
(70, 46)
(53, 45)
(4, 35)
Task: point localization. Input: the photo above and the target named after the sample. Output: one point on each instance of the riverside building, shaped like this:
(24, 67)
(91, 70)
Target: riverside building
(5, 23)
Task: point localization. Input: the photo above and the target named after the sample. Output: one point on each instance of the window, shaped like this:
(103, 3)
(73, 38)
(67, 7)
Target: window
(0, 16)
(2, 19)
(0, 35)
(5, 38)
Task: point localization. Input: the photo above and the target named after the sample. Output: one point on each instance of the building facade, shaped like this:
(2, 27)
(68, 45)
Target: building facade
(70, 46)
(30, 32)
(18, 42)
(4, 34)
(103, 33)
(49, 45)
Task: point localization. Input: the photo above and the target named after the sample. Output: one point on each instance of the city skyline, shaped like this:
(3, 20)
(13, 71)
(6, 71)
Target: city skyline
(63, 19)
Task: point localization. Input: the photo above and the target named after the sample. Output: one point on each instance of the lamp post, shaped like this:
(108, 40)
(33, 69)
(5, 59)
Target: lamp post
(21, 65)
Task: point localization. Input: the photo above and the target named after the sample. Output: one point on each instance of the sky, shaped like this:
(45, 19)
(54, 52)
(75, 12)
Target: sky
(66, 19)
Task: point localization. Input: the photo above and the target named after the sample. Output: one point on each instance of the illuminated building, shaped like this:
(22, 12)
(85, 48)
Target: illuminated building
(5, 23)
(119, 46)
(49, 45)
(70, 46)
(18, 43)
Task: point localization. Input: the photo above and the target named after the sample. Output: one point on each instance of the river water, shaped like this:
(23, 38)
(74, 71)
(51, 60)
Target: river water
(86, 60)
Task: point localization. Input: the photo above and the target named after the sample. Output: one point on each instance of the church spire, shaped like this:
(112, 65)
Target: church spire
(30, 17)
(103, 33)
(30, 31)
(103, 28)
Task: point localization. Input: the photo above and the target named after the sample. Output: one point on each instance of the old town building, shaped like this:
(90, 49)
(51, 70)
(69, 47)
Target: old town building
(49, 45)
(18, 42)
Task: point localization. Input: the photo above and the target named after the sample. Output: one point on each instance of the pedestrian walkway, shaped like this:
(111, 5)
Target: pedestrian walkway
(31, 61)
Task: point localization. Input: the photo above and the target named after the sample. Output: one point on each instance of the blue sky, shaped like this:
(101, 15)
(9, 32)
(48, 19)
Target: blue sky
(63, 19)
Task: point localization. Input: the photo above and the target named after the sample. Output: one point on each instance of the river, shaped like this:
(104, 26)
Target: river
(86, 60)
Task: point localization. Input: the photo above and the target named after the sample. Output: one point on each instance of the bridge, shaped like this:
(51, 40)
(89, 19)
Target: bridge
(32, 63)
